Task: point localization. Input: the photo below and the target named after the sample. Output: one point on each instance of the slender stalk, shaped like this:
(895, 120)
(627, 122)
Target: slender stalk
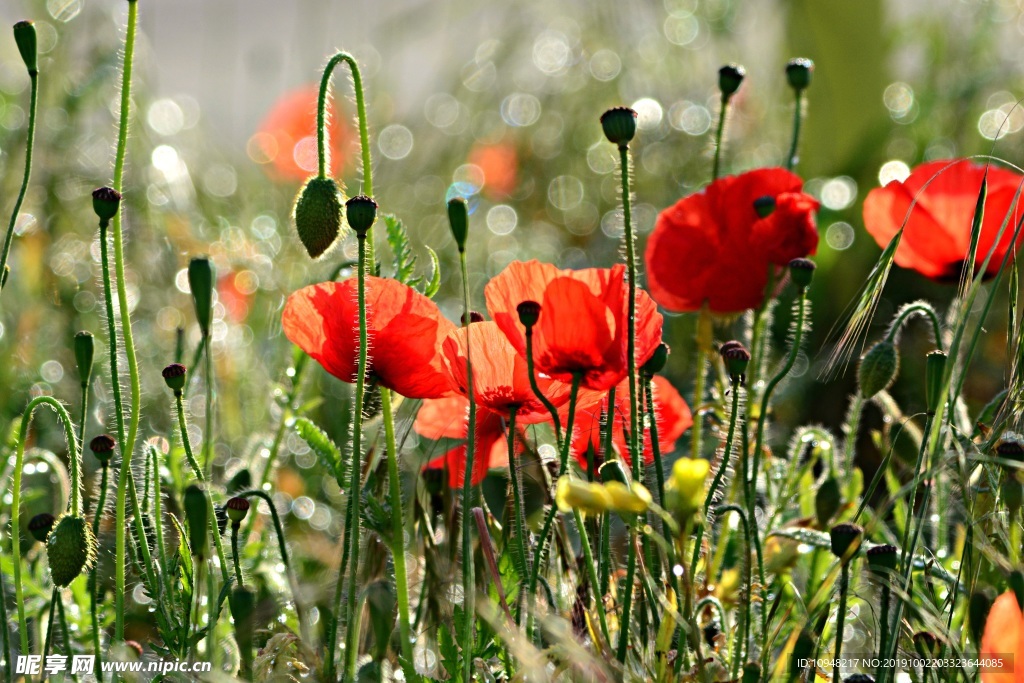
(723, 110)
(883, 622)
(590, 568)
(94, 594)
(398, 537)
(29, 146)
(791, 158)
(627, 595)
(468, 577)
(555, 419)
(844, 585)
(208, 432)
(236, 557)
(522, 563)
(5, 635)
(607, 429)
(704, 338)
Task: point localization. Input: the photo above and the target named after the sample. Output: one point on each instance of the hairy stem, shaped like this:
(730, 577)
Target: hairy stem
(468, 577)
(29, 146)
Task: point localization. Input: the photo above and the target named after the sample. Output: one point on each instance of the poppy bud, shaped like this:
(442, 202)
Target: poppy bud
(25, 37)
(926, 644)
(105, 202)
(102, 447)
(736, 358)
(458, 219)
(84, 348)
(801, 270)
(474, 317)
(361, 212)
(70, 548)
(827, 501)
(242, 602)
(174, 376)
(883, 559)
(613, 470)
(764, 206)
(317, 215)
(198, 516)
(40, 526)
(878, 369)
(1012, 493)
(978, 607)
(619, 125)
(798, 73)
(1011, 448)
(241, 480)
(859, 678)
(656, 363)
(237, 508)
(630, 499)
(200, 281)
(529, 313)
(934, 370)
(845, 540)
(730, 77)
(751, 673)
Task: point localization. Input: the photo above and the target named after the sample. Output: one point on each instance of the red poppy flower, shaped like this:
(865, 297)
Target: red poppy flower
(713, 248)
(1004, 638)
(673, 416)
(582, 328)
(937, 234)
(405, 331)
(499, 164)
(286, 140)
(447, 418)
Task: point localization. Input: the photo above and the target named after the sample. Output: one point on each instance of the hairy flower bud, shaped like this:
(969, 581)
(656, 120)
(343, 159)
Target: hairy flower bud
(70, 548)
(200, 281)
(878, 369)
(317, 215)
(827, 501)
(198, 516)
(25, 37)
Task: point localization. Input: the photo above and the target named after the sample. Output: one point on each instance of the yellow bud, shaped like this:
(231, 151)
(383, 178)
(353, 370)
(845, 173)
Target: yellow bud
(634, 499)
(684, 491)
(587, 497)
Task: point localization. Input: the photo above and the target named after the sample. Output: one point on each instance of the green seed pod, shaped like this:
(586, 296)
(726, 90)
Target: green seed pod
(656, 363)
(736, 359)
(619, 125)
(978, 607)
(827, 501)
(799, 72)
(40, 526)
(361, 212)
(201, 277)
(846, 540)
(730, 77)
(105, 202)
(237, 508)
(25, 37)
(242, 602)
(883, 560)
(614, 470)
(85, 346)
(935, 368)
(878, 369)
(198, 516)
(174, 376)
(317, 214)
(764, 206)
(103, 447)
(458, 220)
(801, 271)
(529, 313)
(70, 549)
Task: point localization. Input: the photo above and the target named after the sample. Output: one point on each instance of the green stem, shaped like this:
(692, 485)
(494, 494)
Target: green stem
(555, 419)
(64, 632)
(635, 436)
(398, 537)
(744, 629)
(791, 159)
(844, 584)
(235, 555)
(704, 336)
(94, 594)
(719, 135)
(30, 144)
(468, 578)
(590, 568)
(883, 622)
(522, 563)
(5, 634)
(208, 433)
(627, 598)
(917, 308)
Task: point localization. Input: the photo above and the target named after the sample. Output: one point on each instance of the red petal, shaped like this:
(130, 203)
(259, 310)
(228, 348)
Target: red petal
(1003, 636)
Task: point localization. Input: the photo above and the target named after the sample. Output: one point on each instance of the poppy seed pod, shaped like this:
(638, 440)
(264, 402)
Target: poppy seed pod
(764, 206)
(174, 376)
(105, 202)
(529, 313)
(458, 220)
(801, 270)
(198, 516)
(846, 540)
(40, 526)
(656, 363)
(934, 371)
(102, 447)
(878, 369)
(70, 548)
(730, 77)
(84, 349)
(25, 37)
(827, 501)
(619, 125)
(317, 214)
(361, 212)
(883, 559)
(736, 358)
(200, 280)
(237, 508)
(978, 607)
(798, 73)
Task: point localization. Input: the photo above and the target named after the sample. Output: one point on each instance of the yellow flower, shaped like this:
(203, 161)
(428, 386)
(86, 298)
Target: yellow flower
(684, 491)
(634, 499)
(587, 497)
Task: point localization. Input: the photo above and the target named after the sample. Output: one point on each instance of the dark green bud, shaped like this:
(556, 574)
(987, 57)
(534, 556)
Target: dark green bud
(105, 202)
(458, 219)
(801, 271)
(619, 125)
(25, 37)
(656, 363)
(764, 206)
(529, 313)
(978, 607)
(878, 369)
(926, 644)
(798, 73)
(751, 673)
(730, 77)
(736, 358)
(85, 345)
(198, 516)
(361, 212)
(241, 481)
(174, 376)
(201, 277)
(317, 214)
(883, 559)
(935, 368)
(827, 501)
(40, 526)
(614, 470)
(70, 549)
(103, 447)
(846, 540)
(1012, 493)
(237, 508)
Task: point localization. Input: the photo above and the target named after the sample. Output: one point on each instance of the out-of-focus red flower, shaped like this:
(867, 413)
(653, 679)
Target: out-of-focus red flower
(235, 294)
(499, 163)
(937, 234)
(673, 419)
(286, 139)
(713, 248)
(405, 331)
(1004, 638)
(583, 321)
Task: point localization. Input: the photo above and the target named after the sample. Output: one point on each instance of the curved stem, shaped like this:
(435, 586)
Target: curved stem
(29, 146)
(916, 308)
(591, 570)
(791, 159)
(468, 577)
(530, 371)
